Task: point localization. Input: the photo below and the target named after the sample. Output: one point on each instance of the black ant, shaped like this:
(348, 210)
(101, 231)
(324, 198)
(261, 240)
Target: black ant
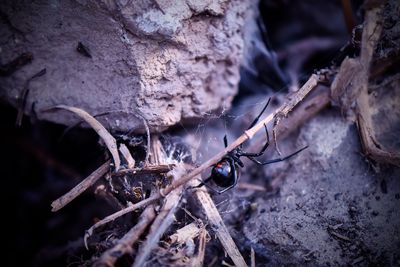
(225, 173)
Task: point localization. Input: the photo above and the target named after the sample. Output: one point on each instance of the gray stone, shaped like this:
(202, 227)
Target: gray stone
(165, 61)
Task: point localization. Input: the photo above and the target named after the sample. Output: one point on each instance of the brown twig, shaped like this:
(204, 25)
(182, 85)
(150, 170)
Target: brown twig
(352, 82)
(118, 214)
(217, 224)
(166, 215)
(108, 139)
(81, 187)
(124, 245)
(163, 168)
(164, 219)
(249, 186)
(127, 155)
(371, 34)
(198, 260)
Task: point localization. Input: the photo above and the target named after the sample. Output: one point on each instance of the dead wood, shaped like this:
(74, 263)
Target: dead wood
(218, 225)
(81, 187)
(108, 139)
(198, 259)
(127, 155)
(350, 89)
(124, 245)
(162, 168)
(370, 37)
(118, 214)
(161, 223)
(190, 231)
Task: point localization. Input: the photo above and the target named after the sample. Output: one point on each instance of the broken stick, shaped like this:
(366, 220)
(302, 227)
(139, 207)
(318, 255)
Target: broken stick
(81, 187)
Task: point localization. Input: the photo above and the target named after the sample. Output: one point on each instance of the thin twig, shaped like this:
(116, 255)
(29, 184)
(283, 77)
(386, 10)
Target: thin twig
(118, 214)
(166, 215)
(311, 106)
(164, 168)
(81, 187)
(124, 245)
(146, 126)
(164, 219)
(108, 139)
(218, 226)
(348, 15)
(198, 260)
(248, 186)
(127, 155)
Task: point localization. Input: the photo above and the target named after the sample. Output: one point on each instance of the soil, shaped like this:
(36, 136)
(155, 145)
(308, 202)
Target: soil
(332, 208)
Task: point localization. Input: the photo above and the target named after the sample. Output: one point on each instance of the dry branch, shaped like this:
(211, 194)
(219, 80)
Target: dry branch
(351, 86)
(164, 219)
(118, 214)
(190, 231)
(198, 260)
(311, 106)
(217, 224)
(166, 215)
(108, 139)
(124, 245)
(81, 187)
(127, 155)
(164, 168)
(371, 34)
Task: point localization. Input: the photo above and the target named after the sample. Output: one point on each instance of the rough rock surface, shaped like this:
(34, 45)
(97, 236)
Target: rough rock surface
(332, 209)
(166, 61)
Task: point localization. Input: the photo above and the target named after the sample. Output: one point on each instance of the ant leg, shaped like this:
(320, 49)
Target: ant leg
(276, 160)
(245, 154)
(259, 115)
(225, 141)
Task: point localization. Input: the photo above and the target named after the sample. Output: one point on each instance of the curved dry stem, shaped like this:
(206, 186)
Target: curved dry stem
(108, 139)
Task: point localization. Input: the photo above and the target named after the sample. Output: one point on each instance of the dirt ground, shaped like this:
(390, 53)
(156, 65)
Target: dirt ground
(332, 207)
